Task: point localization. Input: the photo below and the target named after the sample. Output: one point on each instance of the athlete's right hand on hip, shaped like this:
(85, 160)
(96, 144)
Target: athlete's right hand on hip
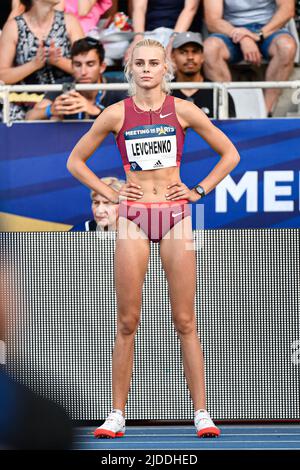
(131, 192)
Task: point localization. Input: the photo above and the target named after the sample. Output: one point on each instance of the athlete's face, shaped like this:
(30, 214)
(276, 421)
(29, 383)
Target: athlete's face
(87, 68)
(148, 66)
(188, 59)
(105, 213)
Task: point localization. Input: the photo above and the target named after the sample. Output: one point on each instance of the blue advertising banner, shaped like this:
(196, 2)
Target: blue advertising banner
(262, 192)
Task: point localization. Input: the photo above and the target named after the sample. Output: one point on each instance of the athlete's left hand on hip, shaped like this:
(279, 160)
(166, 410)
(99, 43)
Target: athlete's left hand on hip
(177, 191)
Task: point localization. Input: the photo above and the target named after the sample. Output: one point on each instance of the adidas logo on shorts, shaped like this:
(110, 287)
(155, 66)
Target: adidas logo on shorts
(157, 164)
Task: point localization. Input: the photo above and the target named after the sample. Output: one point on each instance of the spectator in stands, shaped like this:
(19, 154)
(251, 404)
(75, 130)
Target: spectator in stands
(18, 8)
(105, 213)
(88, 12)
(35, 46)
(250, 29)
(187, 55)
(87, 66)
(162, 19)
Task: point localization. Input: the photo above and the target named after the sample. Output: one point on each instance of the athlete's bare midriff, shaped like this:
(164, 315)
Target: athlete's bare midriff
(154, 183)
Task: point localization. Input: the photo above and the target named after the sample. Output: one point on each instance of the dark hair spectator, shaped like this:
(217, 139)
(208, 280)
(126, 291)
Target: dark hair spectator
(87, 44)
(87, 67)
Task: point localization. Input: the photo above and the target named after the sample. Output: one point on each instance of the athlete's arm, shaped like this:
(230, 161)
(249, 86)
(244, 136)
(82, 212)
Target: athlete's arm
(190, 115)
(110, 120)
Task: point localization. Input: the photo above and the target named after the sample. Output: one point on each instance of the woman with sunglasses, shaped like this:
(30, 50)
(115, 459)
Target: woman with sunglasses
(150, 128)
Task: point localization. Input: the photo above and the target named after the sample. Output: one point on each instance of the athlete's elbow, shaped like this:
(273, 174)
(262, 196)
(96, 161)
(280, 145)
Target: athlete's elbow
(232, 160)
(235, 158)
(71, 165)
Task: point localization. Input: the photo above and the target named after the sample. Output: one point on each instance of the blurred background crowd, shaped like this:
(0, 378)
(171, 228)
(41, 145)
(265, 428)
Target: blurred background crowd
(88, 41)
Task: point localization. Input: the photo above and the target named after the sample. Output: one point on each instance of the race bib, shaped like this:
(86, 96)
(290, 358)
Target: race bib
(150, 147)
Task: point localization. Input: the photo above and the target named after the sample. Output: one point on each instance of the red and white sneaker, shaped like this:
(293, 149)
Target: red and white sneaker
(205, 426)
(113, 426)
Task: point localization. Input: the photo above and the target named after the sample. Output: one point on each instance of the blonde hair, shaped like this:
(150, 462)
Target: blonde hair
(168, 75)
(111, 181)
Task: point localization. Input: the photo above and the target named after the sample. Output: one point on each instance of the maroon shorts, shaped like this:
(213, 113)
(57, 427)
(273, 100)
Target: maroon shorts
(155, 218)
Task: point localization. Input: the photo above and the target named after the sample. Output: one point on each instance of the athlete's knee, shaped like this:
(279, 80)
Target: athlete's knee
(128, 322)
(185, 324)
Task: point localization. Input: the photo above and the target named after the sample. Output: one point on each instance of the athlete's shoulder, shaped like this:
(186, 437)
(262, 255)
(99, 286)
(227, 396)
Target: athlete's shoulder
(112, 117)
(189, 114)
(115, 107)
(183, 105)
(114, 111)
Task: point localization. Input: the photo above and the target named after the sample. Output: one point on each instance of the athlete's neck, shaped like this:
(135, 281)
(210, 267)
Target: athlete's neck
(149, 99)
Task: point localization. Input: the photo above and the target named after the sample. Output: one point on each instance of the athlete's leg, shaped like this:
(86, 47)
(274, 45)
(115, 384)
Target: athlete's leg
(179, 263)
(131, 261)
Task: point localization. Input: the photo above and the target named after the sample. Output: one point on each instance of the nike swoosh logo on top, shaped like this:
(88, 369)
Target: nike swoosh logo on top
(178, 213)
(164, 115)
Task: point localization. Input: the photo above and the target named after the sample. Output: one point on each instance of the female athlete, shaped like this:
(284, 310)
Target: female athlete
(150, 127)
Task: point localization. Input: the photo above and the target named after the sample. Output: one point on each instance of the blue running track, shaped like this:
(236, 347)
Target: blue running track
(233, 437)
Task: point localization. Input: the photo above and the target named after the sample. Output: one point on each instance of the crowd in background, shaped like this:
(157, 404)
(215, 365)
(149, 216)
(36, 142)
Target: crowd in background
(41, 43)
(77, 41)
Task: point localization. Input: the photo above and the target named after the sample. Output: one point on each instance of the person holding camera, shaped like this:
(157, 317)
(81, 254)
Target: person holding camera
(88, 65)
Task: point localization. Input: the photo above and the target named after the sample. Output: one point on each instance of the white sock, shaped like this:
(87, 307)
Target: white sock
(120, 412)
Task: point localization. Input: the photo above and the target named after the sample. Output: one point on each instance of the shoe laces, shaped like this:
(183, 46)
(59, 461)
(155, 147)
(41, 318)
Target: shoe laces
(114, 417)
(203, 419)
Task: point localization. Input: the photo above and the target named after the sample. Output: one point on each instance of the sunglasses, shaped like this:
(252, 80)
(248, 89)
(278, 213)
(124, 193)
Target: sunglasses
(91, 41)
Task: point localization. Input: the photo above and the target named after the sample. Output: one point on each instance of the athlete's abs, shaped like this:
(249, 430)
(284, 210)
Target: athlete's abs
(154, 183)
